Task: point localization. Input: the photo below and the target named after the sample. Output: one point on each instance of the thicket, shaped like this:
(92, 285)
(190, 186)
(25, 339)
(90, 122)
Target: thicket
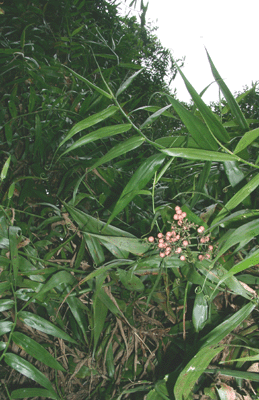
(128, 220)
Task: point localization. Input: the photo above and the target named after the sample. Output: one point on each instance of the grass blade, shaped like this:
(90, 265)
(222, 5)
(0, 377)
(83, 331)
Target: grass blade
(246, 140)
(125, 84)
(235, 110)
(195, 154)
(33, 392)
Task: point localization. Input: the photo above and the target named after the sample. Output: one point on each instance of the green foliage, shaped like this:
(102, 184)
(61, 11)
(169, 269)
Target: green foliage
(90, 169)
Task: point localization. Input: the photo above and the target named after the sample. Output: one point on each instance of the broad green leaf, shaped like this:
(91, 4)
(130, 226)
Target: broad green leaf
(95, 248)
(101, 133)
(6, 304)
(130, 281)
(96, 88)
(238, 197)
(27, 369)
(14, 233)
(210, 119)
(33, 392)
(76, 308)
(5, 327)
(90, 121)
(200, 311)
(56, 280)
(126, 84)
(107, 301)
(223, 329)
(195, 126)
(154, 116)
(5, 168)
(194, 154)
(137, 182)
(121, 148)
(42, 325)
(235, 110)
(246, 140)
(131, 245)
(193, 370)
(36, 350)
(233, 172)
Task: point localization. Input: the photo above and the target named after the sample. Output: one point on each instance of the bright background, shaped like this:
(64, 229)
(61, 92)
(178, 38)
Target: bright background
(229, 29)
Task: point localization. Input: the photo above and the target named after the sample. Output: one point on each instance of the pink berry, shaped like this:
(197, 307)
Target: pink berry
(200, 257)
(179, 212)
(178, 250)
(177, 208)
(160, 235)
(160, 245)
(185, 243)
(182, 258)
(202, 240)
(184, 214)
(161, 241)
(169, 234)
(210, 247)
(176, 217)
(201, 229)
(208, 256)
(151, 239)
(177, 237)
(162, 255)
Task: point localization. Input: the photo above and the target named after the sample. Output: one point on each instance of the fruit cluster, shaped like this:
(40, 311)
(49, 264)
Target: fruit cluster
(179, 240)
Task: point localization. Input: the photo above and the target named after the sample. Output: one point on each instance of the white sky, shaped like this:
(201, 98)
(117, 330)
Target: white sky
(229, 29)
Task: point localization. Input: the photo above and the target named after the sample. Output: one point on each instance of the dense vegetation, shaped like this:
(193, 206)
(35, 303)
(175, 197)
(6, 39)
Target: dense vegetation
(128, 221)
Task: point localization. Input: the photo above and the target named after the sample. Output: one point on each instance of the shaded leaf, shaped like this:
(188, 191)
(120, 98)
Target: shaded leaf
(194, 154)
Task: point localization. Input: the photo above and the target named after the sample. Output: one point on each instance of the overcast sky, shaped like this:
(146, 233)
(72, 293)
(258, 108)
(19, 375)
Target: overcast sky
(228, 29)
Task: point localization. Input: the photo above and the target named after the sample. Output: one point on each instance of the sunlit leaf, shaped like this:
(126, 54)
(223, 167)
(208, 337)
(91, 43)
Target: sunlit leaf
(27, 369)
(246, 140)
(33, 392)
(126, 84)
(195, 154)
(37, 351)
(41, 324)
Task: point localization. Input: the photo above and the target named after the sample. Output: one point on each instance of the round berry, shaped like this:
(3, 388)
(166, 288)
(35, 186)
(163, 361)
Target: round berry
(151, 239)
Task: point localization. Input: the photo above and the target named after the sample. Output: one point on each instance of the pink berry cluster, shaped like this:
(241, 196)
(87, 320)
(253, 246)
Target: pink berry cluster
(179, 239)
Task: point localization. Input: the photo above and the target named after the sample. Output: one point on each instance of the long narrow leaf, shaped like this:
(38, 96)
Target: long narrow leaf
(195, 126)
(194, 154)
(138, 181)
(246, 140)
(41, 324)
(101, 133)
(33, 392)
(36, 350)
(90, 121)
(126, 84)
(154, 116)
(13, 240)
(211, 120)
(193, 370)
(27, 369)
(92, 85)
(236, 112)
(122, 148)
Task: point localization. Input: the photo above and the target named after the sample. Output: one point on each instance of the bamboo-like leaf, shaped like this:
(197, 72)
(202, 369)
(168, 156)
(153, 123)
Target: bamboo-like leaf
(76, 308)
(195, 154)
(155, 109)
(200, 311)
(130, 281)
(201, 183)
(27, 369)
(14, 232)
(5, 327)
(94, 248)
(233, 172)
(42, 325)
(137, 182)
(128, 81)
(131, 245)
(154, 116)
(195, 126)
(238, 197)
(246, 140)
(33, 392)
(6, 304)
(90, 121)
(223, 329)
(56, 280)
(36, 350)
(236, 112)
(100, 312)
(210, 119)
(96, 88)
(226, 108)
(101, 133)
(5, 168)
(122, 148)
(193, 370)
